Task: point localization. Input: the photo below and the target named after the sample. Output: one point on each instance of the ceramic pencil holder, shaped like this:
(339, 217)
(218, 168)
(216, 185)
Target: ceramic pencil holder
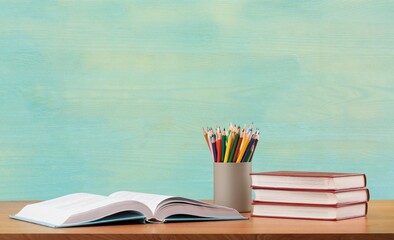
(232, 185)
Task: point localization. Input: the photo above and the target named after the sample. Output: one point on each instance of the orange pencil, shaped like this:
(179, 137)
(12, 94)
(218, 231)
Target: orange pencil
(243, 137)
(206, 138)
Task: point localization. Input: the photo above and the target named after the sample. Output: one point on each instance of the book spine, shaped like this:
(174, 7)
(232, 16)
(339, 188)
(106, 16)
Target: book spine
(368, 195)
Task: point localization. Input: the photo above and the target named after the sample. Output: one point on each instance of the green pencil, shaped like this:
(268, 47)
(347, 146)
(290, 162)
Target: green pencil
(224, 140)
(234, 146)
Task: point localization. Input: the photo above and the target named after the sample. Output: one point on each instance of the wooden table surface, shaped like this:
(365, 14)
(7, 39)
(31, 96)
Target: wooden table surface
(379, 224)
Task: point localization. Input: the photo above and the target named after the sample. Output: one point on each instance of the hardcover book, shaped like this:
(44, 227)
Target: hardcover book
(87, 209)
(308, 180)
(317, 197)
(304, 211)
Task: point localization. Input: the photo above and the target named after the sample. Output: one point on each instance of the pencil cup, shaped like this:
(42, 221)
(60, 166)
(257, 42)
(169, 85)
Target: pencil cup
(232, 185)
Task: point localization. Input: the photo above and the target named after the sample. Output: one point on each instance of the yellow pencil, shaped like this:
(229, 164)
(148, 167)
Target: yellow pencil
(228, 147)
(243, 148)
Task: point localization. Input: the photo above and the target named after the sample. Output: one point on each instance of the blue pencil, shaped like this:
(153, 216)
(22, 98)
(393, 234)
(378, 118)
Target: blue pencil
(213, 142)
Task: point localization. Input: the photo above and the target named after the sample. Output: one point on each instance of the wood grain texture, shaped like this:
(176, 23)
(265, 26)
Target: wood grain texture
(377, 225)
(101, 96)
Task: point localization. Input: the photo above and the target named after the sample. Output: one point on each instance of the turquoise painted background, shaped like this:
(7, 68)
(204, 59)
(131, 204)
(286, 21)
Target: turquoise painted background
(100, 96)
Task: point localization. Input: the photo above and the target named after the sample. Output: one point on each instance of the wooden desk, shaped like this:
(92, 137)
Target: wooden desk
(379, 224)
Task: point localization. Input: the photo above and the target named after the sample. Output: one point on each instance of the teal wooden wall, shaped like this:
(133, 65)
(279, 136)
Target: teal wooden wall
(100, 96)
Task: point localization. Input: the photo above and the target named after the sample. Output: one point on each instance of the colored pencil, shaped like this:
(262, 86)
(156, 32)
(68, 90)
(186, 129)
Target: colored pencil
(251, 152)
(247, 151)
(224, 139)
(243, 137)
(243, 148)
(218, 146)
(214, 148)
(254, 146)
(238, 147)
(210, 144)
(228, 147)
(234, 146)
(206, 138)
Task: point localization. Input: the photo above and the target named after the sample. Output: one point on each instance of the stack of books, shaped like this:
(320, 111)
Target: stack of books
(310, 195)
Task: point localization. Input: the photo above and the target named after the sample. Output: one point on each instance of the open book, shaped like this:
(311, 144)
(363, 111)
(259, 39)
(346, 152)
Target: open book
(80, 209)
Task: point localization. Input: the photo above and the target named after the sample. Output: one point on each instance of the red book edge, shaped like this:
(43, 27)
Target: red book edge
(312, 204)
(306, 189)
(309, 190)
(313, 219)
(311, 174)
(257, 202)
(308, 174)
(320, 219)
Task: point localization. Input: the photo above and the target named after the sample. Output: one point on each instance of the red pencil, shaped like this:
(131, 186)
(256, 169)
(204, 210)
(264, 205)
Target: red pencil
(219, 149)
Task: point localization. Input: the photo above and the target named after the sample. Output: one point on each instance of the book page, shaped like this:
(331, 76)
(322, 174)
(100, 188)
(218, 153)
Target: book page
(79, 208)
(58, 210)
(196, 211)
(152, 201)
(79, 202)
